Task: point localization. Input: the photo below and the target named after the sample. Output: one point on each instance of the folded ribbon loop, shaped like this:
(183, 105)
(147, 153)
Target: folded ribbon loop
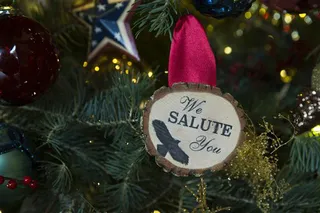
(191, 58)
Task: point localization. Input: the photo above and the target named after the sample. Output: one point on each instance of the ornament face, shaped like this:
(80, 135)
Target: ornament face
(191, 128)
(28, 60)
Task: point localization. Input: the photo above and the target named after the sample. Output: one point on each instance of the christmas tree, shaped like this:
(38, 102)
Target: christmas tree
(75, 80)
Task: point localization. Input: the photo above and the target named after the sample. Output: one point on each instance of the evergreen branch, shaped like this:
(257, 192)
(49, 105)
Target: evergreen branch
(233, 198)
(305, 153)
(76, 202)
(59, 174)
(119, 104)
(122, 197)
(70, 142)
(157, 16)
(315, 51)
(161, 195)
(71, 118)
(122, 170)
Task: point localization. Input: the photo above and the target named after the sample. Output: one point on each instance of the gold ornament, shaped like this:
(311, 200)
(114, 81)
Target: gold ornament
(259, 169)
(316, 78)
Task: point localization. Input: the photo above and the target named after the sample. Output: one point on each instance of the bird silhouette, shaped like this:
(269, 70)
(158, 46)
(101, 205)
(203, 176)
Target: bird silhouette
(169, 144)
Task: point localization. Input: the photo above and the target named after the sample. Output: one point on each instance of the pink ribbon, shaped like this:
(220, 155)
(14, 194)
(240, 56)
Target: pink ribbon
(191, 58)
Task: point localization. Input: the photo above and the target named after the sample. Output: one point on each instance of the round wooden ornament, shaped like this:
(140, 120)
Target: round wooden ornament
(191, 128)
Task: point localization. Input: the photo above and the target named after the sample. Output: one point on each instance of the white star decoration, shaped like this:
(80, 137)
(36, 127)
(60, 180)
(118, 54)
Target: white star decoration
(98, 30)
(117, 36)
(101, 7)
(119, 5)
(94, 43)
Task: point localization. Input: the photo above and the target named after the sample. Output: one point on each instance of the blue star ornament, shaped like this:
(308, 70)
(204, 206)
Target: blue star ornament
(108, 21)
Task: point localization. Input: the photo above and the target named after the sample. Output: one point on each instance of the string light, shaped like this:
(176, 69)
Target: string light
(0, 211)
(114, 60)
(227, 50)
(295, 35)
(302, 15)
(129, 63)
(91, 141)
(117, 67)
(276, 16)
(166, 72)
(262, 11)
(142, 105)
(210, 28)
(155, 211)
(85, 64)
(255, 6)
(97, 69)
(308, 20)
(248, 15)
(287, 75)
(239, 32)
(286, 79)
(288, 18)
(98, 184)
(134, 80)
(150, 74)
(315, 130)
(267, 47)
(127, 72)
(283, 73)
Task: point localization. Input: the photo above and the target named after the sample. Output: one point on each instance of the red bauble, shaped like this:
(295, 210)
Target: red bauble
(29, 63)
(2, 180)
(33, 184)
(27, 180)
(297, 6)
(12, 184)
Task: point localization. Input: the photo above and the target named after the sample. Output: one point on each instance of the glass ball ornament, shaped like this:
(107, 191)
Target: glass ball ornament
(307, 114)
(29, 63)
(293, 6)
(16, 162)
(222, 8)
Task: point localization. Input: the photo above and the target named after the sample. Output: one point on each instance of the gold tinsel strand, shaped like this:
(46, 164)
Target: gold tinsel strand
(316, 78)
(259, 169)
(201, 198)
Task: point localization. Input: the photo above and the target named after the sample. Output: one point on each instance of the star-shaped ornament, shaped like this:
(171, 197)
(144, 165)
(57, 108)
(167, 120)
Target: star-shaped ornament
(109, 24)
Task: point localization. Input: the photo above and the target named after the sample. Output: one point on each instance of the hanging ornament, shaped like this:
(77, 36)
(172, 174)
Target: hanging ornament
(192, 127)
(307, 115)
(16, 167)
(29, 63)
(222, 8)
(297, 6)
(108, 22)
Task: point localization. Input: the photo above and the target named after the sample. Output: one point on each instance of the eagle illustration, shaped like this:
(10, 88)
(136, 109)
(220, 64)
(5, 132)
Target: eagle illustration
(169, 144)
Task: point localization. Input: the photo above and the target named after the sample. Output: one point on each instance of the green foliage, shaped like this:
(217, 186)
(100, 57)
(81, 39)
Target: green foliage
(156, 16)
(305, 153)
(303, 194)
(90, 143)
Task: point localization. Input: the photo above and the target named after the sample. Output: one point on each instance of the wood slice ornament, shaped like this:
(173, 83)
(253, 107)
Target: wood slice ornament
(191, 127)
